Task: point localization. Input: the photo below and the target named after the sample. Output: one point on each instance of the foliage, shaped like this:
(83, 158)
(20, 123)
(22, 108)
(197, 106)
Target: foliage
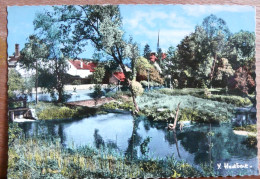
(15, 83)
(45, 157)
(142, 68)
(144, 146)
(98, 74)
(57, 113)
(242, 81)
(76, 82)
(248, 128)
(14, 132)
(147, 51)
(119, 105)
(223, 72)
(137, 88)
(250, 141)
(206, 110)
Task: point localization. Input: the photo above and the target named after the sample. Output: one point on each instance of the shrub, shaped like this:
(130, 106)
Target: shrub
(250, 141)
(57, 113)
(76, 82)
(137, 88)
(128, 105)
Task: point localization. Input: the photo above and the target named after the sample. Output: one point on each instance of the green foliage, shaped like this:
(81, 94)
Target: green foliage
(14, 132)
(15, 83)
(142, 68)
(144, 146)
(248, 128)
(98, 74)
(46, 158)
(57, 113)
(194, 108)
(128, 105)
(137, 88)
(97, 94)
(76, 82)
(250, 141)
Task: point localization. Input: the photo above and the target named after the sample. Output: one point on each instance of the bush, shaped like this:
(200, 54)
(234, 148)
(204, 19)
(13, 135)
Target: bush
(115, 105)
(137, 88)
(235, 100)
(250, 141)
(76, 82)
(57, 113)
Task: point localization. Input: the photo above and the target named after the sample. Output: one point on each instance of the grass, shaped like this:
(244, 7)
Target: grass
(248, 128)
(199, 92)
(159, 106)
(46, 158)
(49, 111)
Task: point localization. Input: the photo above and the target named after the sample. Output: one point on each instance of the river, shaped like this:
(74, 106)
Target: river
(123, 133)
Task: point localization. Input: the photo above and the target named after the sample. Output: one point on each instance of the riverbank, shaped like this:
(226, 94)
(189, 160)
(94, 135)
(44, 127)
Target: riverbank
(47, 157)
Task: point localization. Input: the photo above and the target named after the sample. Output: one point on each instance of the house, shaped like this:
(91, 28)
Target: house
(81, 68)
(117, 78)
(13, 62)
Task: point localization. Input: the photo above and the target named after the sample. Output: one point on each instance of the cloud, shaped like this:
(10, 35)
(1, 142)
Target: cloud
(198, 10)
(144, 26)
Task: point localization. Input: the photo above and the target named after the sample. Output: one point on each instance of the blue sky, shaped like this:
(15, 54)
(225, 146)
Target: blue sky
(143, 22)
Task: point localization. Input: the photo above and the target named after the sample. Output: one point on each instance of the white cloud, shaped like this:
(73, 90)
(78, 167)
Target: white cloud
(198, 10)
(145, 27)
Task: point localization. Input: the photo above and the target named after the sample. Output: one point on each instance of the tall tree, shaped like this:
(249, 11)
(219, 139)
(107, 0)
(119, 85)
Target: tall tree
(56, 62)
(147, 51)
(217, 34)
(100, 25)
(34, 52)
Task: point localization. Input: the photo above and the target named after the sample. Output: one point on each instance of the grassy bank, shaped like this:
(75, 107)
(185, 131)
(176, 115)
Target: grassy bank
(48, 111)
(247, 128)
(160, 107)
(46, 158)
(238, 101)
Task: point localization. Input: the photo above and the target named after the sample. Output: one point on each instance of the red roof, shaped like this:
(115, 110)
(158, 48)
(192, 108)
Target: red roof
(153, 57)
(119, 75)
(77, 64)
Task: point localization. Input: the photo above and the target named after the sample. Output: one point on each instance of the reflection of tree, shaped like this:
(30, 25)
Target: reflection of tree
(226, 144)
(134, 141)
(61, 134)
(98, 139)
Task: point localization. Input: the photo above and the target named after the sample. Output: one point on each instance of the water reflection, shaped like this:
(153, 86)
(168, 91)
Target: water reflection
(199, 144)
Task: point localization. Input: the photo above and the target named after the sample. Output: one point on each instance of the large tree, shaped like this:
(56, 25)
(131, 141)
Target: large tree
(100, 25)
(55, 64)
(33, 54)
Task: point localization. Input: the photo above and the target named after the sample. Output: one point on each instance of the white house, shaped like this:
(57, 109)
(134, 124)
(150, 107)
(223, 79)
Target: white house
(81, 68)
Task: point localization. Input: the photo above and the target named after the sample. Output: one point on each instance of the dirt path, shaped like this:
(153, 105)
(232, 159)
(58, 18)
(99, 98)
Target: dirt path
(91, 102)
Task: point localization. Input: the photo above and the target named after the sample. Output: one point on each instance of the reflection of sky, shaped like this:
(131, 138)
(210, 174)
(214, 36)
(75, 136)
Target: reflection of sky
(192, 141)
(78, 96)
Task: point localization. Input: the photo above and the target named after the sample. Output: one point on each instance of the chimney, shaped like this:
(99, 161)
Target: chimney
(81, 63)
(17, 50)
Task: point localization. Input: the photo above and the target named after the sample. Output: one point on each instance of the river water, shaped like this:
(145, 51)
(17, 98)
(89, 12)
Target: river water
(123, 133)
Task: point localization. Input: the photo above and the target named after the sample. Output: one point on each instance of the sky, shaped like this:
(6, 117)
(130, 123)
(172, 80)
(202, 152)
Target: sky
(143, 23)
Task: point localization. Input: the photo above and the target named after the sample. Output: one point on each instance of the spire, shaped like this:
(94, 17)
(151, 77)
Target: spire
(158, 42)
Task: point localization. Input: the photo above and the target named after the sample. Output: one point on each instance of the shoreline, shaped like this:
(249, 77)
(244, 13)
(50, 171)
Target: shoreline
(244, 133)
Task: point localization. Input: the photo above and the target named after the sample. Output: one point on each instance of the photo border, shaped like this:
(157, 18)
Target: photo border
(3, 55)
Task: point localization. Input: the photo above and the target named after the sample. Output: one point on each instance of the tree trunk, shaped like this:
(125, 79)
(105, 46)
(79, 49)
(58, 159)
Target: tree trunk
(36, 83)
(212, 70)
(130, 87)
(176, 116)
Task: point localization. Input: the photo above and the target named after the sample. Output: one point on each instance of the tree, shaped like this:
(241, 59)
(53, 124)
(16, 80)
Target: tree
(98, 76)
(34, 52)
(241, 49)
(217, 34)
(224, 71)
(242, 81)
(15, 83)
(101, 25)
(147, 51)
(56, 62)
(144, 68)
